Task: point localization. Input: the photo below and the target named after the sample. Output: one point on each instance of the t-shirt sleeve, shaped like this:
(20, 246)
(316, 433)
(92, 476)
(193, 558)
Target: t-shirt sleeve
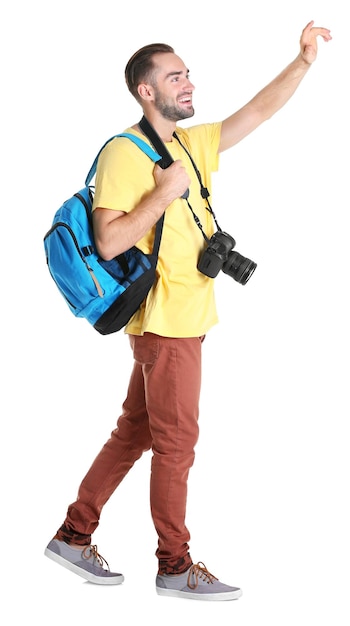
(119, 163)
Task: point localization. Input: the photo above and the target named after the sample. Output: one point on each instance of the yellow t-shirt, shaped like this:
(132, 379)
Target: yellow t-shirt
(181, 303)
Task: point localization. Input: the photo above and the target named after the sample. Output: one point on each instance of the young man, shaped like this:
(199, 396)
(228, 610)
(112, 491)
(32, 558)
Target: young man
(161, 408)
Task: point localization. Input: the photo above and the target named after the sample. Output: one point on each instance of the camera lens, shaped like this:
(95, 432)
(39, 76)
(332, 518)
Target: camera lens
(239, 267)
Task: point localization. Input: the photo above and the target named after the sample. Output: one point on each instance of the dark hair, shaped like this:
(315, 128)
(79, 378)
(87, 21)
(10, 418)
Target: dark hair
(140, 65)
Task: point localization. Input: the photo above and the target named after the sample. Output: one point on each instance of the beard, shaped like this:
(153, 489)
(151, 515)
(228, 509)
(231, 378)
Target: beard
(170, 111)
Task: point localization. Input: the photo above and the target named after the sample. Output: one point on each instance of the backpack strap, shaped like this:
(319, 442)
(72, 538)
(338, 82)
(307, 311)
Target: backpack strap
(139, 142)
(156, 141)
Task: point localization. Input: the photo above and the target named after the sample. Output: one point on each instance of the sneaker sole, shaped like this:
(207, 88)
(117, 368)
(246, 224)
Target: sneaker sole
(116, 580)
(176, 593)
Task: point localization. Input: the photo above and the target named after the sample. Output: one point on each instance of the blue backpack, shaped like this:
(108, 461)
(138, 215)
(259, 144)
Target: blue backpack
(105, 293)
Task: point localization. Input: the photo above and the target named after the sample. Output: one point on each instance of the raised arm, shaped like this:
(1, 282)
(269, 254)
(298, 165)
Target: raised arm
(275, 95)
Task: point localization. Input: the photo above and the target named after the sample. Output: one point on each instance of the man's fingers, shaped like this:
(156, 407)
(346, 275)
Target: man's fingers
(325, 33)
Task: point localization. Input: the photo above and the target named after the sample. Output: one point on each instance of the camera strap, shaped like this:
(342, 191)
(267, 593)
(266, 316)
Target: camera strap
(167, 159)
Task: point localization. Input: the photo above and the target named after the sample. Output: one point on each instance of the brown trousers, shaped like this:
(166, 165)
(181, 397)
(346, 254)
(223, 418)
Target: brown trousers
(160, 413)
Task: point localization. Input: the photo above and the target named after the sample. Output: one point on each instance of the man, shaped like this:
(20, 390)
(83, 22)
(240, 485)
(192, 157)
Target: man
(166, 334)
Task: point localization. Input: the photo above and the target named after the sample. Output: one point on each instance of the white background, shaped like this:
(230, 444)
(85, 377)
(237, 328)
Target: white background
(268, 494)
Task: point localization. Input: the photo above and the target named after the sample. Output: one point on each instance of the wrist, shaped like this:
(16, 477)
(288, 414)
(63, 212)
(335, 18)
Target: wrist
(303, 60)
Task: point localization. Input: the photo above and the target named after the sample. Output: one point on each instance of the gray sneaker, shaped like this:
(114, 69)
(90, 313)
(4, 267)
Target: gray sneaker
(196, 583)
(86, 562)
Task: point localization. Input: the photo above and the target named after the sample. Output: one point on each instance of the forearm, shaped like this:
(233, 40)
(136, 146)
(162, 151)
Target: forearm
(266, 102)
(115, 232)
(275, 95)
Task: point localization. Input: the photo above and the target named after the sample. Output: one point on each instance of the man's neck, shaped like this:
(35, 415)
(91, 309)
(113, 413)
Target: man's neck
(164, 128)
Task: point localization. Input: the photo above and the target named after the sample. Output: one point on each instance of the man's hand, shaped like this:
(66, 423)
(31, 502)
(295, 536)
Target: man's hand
(171, 182)
(308, 41)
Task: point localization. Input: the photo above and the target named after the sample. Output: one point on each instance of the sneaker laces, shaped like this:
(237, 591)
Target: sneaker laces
(91, 551)
(199, 571)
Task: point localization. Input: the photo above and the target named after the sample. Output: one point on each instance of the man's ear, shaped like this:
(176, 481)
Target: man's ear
(145, 91)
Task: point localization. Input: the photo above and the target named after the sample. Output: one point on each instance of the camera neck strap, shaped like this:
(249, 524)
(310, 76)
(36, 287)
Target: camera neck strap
(167, 159)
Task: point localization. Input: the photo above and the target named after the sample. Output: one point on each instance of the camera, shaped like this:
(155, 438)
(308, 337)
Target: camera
(219, 255)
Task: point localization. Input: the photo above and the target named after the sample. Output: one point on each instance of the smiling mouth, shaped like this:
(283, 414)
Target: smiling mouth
(185, 100)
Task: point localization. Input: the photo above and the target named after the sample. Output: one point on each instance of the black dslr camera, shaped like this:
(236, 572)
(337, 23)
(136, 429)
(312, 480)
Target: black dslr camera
(219, 255)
